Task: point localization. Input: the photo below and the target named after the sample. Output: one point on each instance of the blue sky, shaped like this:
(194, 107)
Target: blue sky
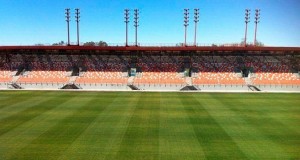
(26, 22)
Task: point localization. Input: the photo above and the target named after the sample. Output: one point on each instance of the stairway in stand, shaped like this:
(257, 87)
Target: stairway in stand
(188, 81)
(250, 85)
(71, 83)
(248, 81)
(13, 84)
(15, 79)
(297, 75)
(72, 79)
(130, 80)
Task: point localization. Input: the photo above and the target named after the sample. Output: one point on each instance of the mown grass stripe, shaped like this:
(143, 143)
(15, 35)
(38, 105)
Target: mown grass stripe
(125, 129)
(20, 106)
(5, 96)
(57, 139)
(22, 135)
(242, 130)
(218, 144)
(28, 114)
(283, 113)
(112, 148)
(104, 135)
(15, 99)
(141, 139)
(177, 139)
(265, 124)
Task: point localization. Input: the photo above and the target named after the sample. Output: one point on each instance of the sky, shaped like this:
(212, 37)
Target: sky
(29, 22)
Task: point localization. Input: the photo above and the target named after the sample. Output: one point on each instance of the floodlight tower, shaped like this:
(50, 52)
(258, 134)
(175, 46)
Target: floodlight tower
(126, 13)
(257, 17)
(196, 20)
(68, 23)
(77, 21)
(186, 23)
(247, 20)
(136, 24)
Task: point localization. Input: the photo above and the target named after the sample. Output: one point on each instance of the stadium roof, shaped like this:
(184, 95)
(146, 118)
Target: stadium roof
(123, 49)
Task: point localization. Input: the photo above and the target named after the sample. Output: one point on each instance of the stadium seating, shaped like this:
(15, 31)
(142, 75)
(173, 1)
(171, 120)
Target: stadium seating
(218, 78)
(276, 78)
(216, 70)
(5, 76)
(105, 69)
(102, 77)
(159, 78)
(44, 77)
(273, 70)
(151, 69)
(159, 70)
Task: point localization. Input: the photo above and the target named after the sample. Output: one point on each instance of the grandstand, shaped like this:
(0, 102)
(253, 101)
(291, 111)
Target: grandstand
(216, 68)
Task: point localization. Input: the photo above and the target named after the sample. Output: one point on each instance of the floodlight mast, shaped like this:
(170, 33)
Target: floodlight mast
(186, 23)
(77, 21)
(257, 17)
(247, 20)
(136, 24)
(68, 23)
(126, 13)
(196, 20)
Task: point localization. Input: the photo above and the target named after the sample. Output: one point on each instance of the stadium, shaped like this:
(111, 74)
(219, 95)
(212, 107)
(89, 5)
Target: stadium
(151, 68)
(138, 101)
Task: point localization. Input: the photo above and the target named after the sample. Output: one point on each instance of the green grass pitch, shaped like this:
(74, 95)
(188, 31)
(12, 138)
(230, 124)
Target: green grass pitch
(148, 125)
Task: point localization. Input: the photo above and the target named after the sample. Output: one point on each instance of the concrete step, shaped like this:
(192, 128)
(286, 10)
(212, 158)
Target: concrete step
(189, 81)
(15, 79)
(130, 80)
(72, 79)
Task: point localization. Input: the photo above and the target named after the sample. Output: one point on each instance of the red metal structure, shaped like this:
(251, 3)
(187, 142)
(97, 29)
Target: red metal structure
(131, 49)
